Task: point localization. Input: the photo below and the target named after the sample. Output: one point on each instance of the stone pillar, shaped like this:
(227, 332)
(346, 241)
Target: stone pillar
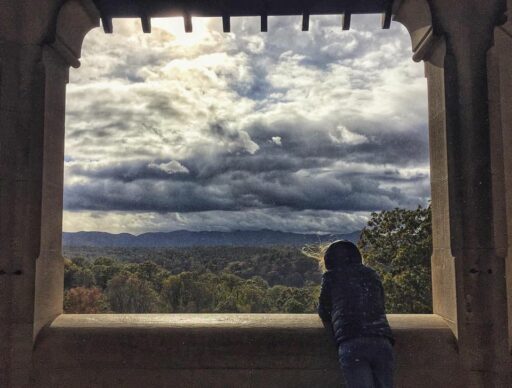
(49, 280)
(33, 79)
(500, 98)
(468, 184)
(31, 154)
(503, 42)
(21, 159)
(416, 16)
(444, 295)
(472, 192)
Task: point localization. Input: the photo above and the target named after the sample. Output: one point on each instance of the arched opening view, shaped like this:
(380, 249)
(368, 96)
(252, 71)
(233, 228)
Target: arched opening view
(198, 166)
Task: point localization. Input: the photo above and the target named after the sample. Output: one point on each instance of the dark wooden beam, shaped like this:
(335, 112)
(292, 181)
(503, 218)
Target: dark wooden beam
(345, 21)
(146, 24)
(386, 18)
(106, 22)
(226, 23)
(217, 8)
(187, 19)
(264, 23)
(305, 21)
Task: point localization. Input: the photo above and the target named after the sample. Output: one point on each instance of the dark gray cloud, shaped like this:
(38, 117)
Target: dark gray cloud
(236, 185)
(375, 143)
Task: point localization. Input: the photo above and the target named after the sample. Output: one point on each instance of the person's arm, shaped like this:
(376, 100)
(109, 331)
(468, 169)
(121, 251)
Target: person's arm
(325, 304)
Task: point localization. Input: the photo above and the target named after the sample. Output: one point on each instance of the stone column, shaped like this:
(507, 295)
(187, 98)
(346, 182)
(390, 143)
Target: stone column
(32, 89)
(22, 95)
(500, 98)
(503, 45)
(33, 78)
(49, 281)
(429, 46)
(444, 296)
(471, 190)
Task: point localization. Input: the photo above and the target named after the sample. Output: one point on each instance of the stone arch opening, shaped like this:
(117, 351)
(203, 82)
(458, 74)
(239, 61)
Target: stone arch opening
(472, 291)
(383, 35)
(397, 128)
(77, 17)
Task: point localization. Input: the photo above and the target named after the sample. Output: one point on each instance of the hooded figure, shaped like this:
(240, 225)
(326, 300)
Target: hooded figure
(340, 254)
(352, 300)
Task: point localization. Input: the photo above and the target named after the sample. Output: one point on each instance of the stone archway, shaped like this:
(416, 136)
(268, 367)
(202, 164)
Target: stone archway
(470, 171)
(74, 20)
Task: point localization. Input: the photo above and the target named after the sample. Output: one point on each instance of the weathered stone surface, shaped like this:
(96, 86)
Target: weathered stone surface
(500, 96)
(26, 21)
(415, 15)
(472, 186)
(21, 120)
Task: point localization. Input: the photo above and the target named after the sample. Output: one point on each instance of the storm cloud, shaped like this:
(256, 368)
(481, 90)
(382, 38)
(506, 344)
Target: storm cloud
(286, 130)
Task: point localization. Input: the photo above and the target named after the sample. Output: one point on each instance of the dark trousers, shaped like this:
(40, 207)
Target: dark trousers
(367, 362)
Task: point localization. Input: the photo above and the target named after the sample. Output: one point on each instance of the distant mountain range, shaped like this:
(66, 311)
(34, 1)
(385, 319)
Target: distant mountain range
(185, 238)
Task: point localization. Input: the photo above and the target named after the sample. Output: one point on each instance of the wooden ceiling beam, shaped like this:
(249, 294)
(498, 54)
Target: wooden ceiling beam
(106, 23)
(264, 23)
(187, 20)
(345, 21)
(305, 21)
(386, 18)
(226, 23)
(210, 8)
(146, 24)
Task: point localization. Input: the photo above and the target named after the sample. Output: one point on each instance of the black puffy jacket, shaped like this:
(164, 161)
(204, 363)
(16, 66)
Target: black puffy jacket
(352, 298)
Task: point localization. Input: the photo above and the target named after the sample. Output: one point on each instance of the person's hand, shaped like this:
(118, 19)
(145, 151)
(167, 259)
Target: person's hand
(328, 327)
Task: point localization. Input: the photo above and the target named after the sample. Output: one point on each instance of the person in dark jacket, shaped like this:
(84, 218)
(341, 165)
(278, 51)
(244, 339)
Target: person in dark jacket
(352, 300)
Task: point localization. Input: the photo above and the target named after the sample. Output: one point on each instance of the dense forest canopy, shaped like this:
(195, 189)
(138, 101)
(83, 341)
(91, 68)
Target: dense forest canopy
(398, 245)
(203, 279)
(225, 279)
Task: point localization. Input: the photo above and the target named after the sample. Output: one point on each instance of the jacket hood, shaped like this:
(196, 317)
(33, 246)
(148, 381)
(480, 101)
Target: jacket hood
(340, 254)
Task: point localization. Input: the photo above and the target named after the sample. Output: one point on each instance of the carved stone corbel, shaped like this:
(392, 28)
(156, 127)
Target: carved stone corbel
(75, 19)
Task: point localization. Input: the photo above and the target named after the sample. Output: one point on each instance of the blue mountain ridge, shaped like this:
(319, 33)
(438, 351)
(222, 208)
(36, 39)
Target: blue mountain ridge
(185, 238)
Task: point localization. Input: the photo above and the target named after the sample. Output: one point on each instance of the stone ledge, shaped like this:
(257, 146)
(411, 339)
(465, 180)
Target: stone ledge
(238, 321)
(105, 345)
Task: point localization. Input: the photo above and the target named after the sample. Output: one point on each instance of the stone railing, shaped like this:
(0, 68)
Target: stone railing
(226, 350)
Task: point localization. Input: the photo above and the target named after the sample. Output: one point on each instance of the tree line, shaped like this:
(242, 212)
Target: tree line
(111, 285)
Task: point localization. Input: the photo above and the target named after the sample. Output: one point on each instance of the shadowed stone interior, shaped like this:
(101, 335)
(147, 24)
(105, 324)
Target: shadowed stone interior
(467, 49)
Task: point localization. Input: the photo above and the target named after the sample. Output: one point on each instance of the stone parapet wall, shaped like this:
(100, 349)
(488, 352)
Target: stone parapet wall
(227, 350)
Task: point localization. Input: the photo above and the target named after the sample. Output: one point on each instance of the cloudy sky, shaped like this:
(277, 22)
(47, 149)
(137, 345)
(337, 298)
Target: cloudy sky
(286, 130)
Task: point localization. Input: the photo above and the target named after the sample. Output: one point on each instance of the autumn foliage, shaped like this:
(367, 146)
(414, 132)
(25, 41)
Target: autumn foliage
(83, 300)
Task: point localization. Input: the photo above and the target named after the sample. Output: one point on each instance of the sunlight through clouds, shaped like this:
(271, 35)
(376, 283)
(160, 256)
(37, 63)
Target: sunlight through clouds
(175, 27)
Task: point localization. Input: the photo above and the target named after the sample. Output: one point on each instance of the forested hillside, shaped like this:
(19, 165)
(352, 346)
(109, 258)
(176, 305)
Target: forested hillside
(227, 279)
(214, 279)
